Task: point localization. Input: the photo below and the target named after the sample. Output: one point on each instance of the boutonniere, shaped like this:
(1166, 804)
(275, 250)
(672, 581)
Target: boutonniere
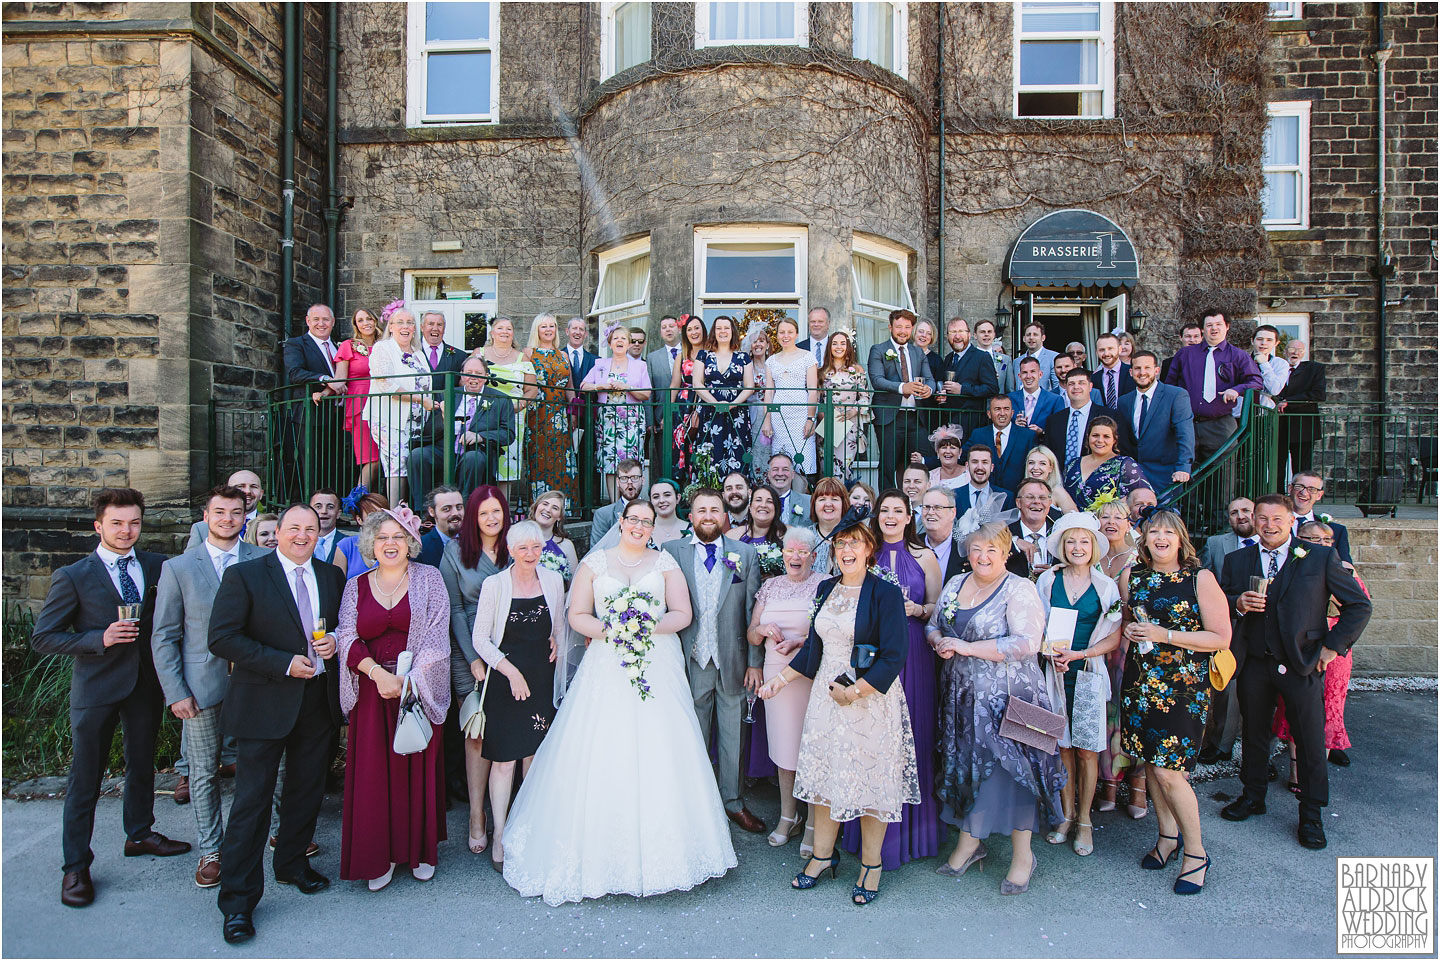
(951, 607)
(885, 574)
(891, 355)
(485, 405)
(1114, 609)
(1323, 518)
(731, 560)
(1300, 552)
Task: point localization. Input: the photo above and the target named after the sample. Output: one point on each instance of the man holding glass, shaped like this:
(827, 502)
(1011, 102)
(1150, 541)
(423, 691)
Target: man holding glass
(100, 611)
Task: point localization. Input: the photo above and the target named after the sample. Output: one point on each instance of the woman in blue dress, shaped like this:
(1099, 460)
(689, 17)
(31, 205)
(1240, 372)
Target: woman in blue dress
(724, 381)
(1099, 471)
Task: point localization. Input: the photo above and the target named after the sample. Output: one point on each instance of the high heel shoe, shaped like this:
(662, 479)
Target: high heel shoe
(977, 856)
(1108, 790)
(1137, 811)
(1010, 887)
(861, 895)
(1153, 861)
(804, 882)
(1084, 850)
(782, 835)
(1061, 833)
(1183, 886)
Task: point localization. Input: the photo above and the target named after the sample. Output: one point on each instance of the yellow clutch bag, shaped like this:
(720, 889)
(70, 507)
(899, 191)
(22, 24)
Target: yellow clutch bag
(1222, 669)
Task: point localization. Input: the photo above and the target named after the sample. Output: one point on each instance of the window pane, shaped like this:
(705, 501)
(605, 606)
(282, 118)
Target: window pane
(632, 35)
(1282, 142)
(1279, 198)
(758, 268)
(624, 282)
(457, 21)
(1059, 17)
(1048, 63)
(709, 311)
(457, 83)
(874, 28)
(739, 22)
(880, 281)
(455, 286)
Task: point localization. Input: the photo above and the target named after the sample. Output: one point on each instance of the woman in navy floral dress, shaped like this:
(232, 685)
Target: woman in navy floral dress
(723, 382)
(1177, 616)
(1100, 470)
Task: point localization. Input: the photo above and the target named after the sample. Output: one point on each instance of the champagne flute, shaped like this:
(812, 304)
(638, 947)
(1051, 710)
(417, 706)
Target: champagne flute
(750, 697)
(318, 632)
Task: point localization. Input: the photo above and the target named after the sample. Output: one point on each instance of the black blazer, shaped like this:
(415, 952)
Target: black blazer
(255, 624)
(304, 364)
(1017, 562)
(1304, 389)
(879, 620)
(1301, 595)
(975, 372)
(957, 562)
(81, 603)
(495, 423)
(451, 359)
(1057, 422)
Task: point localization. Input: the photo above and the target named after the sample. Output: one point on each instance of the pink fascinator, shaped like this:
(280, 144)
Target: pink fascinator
(406, 518)
(389, 309)
(944, 431)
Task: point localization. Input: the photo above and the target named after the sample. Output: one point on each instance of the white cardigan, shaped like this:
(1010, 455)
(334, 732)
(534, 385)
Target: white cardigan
(492, 610)
(389, 377)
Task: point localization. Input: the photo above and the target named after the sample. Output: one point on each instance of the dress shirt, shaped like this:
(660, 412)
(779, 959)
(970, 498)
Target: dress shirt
(1275, 374)
(216, 555)
(1004, 442)
(1281, 554)
(817, 348)
(1301, 519)
(707, 643)
(1028, 403)
(324, 541)
(109, 559)
(1109, 376)
(1247, 541)
(1040, 539)
(313, 587)
(1141, 396)
(942, 550)
(1187, 369)
(327, 350)
(902, 360)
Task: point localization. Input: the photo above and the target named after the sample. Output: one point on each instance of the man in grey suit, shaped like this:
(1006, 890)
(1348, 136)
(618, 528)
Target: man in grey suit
(723, 576)
(900, 376)
(193, 679)
(660, 364)
(629, 481)
(1223, 725)
(794, 507)
(249, 484)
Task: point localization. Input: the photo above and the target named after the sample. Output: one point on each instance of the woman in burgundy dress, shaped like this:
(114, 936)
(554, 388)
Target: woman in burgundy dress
(394, 810)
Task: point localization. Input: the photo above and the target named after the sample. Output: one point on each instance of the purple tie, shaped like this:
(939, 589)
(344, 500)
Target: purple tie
(709, 557)
(307, 617)
(434, 357)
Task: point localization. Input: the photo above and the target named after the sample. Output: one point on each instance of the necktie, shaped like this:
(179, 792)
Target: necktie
(905, 363)
(1072, 437)
(1144, 410)
(709, 557)
(223, 563)
(674, 352)
(1030, 407)
(1110, 378)
(129, 593)
(434, 357)
(1246, 541)
(998, 446)
(1208, 391)
(575, 358)
(463, 423)
(1034, 537)
(1274, 566)
(307, 618)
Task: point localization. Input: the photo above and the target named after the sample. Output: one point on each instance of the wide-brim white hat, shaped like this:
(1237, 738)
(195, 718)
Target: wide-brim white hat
(1083, 520)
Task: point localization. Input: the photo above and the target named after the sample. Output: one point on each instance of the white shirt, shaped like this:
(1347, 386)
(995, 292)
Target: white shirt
(216, 553)
(1280, 558)
(1140, 396)
(817, 347)
(324, 542)
(313, 588)
(906, 400)
(327, 350)
(942, 550)
(109, 559)
(1275, 374)
(1038, 538)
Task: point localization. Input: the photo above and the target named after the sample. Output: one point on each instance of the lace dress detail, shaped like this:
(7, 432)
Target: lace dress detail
(858, 759)
(621, 798)
(787, 376)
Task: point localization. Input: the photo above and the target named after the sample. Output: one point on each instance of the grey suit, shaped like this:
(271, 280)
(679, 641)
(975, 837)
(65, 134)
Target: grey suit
(719, 687)
(796, 518)
(200, 531)
(602, 520)
(660, 368)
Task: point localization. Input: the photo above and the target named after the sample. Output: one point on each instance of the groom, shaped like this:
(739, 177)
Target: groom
(723, 576)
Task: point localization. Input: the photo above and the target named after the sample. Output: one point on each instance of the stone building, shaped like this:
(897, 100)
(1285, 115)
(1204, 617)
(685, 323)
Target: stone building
(635, 159)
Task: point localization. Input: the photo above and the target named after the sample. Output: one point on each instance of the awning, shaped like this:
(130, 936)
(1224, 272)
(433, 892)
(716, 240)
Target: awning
(1073, 248)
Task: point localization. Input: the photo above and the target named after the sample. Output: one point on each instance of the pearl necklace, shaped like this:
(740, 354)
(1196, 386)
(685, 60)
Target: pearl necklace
(388, 595)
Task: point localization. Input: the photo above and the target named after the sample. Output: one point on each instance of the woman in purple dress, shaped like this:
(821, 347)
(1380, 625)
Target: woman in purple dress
(766, 533)
(904, 560)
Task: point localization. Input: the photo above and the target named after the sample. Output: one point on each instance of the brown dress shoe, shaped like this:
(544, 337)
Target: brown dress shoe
(182, 791)
(311, 849)
(207, 875)
(746, 821)
(156, 844)
(76, 889)
(226, 770)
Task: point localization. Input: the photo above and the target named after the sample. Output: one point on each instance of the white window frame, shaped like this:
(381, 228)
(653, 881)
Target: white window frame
(1106, 36)
(900, 12)
(1301, 109)
(624, 252)
(1296, 319)
(1286, 10)
(452, 309)
(877, 249)
(417, 52)
(753, 233)
(801, 38)
(607, 39)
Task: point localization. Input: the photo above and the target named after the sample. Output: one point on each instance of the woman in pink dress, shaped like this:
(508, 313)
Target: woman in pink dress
(394, 807)
(781, 621)
(352, 378)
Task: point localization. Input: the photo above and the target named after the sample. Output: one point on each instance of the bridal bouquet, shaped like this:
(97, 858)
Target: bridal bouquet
(772, 559)
(630, 625)
(556, 563)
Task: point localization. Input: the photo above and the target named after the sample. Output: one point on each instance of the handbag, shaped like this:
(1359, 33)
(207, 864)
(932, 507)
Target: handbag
(1030, 724)
(472, 710)
(1222, 669)
(861, 657)
(1087, 717)
(412, 727)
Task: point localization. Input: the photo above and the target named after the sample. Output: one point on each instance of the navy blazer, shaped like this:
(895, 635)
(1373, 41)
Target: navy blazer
(1046, 403)
(1167, 438)
(1010, 466)
(880, 609)
(432, 546)
(975, 372)
(1127, 383)
(304, 364)
(1059, 422)
(962, 497)
(451, 359)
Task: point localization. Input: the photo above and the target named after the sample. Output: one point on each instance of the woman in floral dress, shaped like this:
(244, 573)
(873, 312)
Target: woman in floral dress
(550, 457)
(723, 382)
(1099, 469)
(1178, 617)
(622, 383)
(686, 418)
(513, 376)
(849, 393)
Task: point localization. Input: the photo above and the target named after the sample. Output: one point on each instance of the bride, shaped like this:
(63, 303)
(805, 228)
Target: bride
(620, 798)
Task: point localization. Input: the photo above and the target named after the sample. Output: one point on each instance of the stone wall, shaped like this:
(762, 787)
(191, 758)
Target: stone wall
(1325, 58)
(1396, 559)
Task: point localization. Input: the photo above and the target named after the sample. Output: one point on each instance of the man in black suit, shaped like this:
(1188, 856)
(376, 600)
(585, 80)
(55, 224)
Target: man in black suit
(445, 506)
(283, 701)
(113, 679)
(1030, 532)
(309, 362)
(581, 360)
(1299, 405)
(1283, 645)
(937, 512)
(441, 357)
(483, 423)
(817, 325)
(969, 377)
(1112, 377)
(1067, 429)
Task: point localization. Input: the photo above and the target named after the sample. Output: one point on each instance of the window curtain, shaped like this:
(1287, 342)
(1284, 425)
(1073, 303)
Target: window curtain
(874, 28)
(632, 35)
(624, 282)
(740, 22)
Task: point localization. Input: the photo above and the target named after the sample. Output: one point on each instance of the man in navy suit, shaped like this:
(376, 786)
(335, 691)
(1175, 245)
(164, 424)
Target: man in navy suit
(309, 362)
(969, 377)
(440, 356)
(900, 377)
(112, 680)
(445, 507)
(1112, 377)
(1067, 428)
(980, 464)
(1032, 403)
(818, 326)
(1306, 489)
(1159, 422)
(581, 360)
(1009, 444)
(326, 505)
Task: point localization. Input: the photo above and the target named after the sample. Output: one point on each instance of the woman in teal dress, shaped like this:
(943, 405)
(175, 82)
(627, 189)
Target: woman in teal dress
(1079, 585)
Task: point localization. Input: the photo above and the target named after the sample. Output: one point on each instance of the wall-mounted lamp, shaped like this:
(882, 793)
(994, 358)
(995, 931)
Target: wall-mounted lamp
(1137, 320)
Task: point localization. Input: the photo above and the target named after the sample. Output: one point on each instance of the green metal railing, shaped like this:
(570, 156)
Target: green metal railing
(1367, 458)
(1245, 465)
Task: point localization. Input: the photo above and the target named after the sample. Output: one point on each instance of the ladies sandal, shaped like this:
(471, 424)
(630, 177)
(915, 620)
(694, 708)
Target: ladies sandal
(804, 882)
(861, 895)
(1081, 848)
(782, 835)
(807, 841)
(1183, 886)
(1108, 790)
(1153, 861)
(1061, 833)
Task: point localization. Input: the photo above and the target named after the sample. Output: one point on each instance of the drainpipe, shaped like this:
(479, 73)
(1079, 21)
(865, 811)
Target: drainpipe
(332, 152)
(940, 209)
(1384, 261)
(287, 168)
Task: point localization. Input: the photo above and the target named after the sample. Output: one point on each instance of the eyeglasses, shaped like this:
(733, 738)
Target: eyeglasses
(1306, 487)
(935, 509)
(1322, 541)
(637, 521)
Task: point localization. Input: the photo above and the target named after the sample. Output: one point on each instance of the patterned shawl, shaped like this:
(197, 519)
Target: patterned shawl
(428, 641)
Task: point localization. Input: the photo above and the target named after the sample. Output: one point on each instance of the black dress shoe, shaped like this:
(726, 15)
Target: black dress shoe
(76, 889)
(238, 927)
(156, 844)
(1242, 808)
(1312, 835)
(311, 882)
(1339, 758)
(1210, 755)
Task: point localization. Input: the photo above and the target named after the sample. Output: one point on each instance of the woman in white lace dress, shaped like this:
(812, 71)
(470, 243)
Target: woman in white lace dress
(792, 379)
(620, 798)
(399, 398)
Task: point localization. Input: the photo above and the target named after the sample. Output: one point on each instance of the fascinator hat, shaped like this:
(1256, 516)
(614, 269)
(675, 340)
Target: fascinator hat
(406, 518)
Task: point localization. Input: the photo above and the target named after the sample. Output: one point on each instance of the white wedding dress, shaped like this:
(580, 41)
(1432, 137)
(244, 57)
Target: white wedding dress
(621, 797)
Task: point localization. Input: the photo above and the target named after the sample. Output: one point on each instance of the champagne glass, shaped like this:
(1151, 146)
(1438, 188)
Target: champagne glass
(750, 697)
(318, 632)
